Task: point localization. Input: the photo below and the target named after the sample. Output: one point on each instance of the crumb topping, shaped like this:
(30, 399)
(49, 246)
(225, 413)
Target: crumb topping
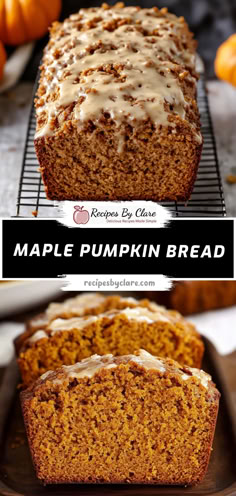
(116, 63)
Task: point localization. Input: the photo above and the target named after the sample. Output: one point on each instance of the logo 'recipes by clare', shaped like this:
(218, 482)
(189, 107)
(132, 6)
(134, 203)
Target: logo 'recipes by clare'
(125, 214)
(80, 216)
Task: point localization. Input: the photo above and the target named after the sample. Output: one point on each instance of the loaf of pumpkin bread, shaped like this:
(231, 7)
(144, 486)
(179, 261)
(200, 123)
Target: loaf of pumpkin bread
(117, 117)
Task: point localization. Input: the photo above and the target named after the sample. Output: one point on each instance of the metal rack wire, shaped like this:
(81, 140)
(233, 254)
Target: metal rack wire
(207, 199)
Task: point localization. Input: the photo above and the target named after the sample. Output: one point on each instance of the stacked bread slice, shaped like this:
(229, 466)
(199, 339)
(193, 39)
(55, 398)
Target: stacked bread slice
(95, 324)
(122, 397)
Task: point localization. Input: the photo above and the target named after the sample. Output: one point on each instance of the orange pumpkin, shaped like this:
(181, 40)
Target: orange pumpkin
(225, 61)
(3, 58)
(26, 20)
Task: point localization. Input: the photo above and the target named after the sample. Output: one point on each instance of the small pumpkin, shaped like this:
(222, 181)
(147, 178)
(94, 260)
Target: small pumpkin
(26, 20)
(225, 61)
(3, 58)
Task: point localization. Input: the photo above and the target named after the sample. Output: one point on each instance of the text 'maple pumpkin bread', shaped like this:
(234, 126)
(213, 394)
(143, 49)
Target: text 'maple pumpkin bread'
(135, 419)
(65, 341)
(117, 116)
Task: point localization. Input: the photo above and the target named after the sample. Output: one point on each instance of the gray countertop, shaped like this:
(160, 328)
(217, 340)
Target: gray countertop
(14, 112)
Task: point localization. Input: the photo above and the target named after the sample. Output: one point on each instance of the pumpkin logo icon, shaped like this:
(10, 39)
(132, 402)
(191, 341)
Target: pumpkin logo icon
(80, 216)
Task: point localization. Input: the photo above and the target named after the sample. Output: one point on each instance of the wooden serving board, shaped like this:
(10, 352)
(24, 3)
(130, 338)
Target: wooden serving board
(17, 476)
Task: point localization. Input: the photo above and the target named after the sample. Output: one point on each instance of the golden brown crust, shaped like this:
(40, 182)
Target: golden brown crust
(124, 424)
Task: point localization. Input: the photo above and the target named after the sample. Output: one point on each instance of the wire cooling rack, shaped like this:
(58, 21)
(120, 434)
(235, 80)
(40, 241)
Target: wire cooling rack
(207, 199)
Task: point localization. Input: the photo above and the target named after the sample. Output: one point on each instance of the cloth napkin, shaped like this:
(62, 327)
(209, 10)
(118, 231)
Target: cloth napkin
(219, 326)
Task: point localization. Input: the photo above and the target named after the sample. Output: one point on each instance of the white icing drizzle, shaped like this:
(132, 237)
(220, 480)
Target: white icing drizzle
(45, 375)
(74, 323)
(138, 314)
(79, 304)
(88, 367)
(144, 314)
(142, 83)
(129, 299)
(148, 361)
(37, 336)
(38, 322)
(200, 374)
(76, 305)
